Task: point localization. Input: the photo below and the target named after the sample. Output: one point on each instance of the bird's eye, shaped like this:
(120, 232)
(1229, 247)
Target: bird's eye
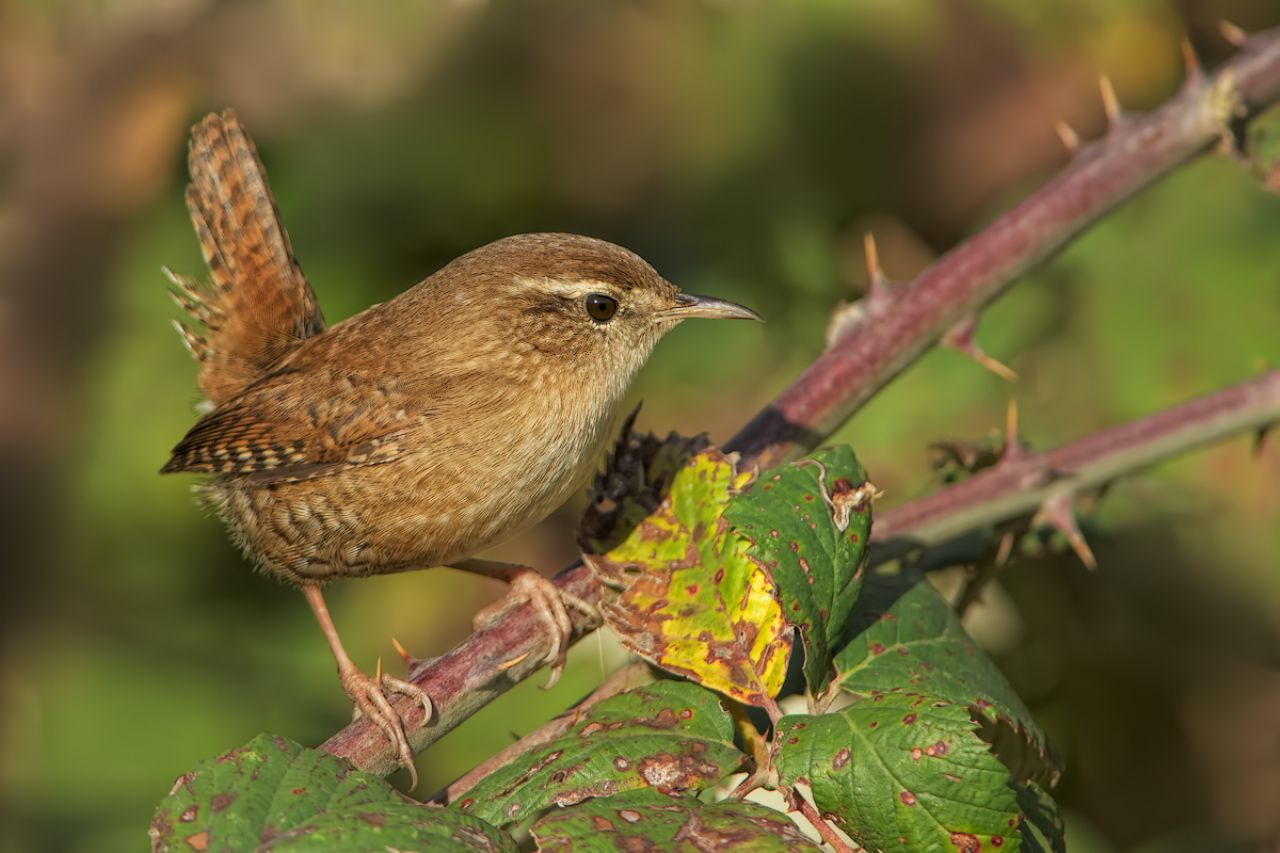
(601, 307)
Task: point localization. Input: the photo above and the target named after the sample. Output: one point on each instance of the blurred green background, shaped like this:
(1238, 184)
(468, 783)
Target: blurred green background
(743, 148)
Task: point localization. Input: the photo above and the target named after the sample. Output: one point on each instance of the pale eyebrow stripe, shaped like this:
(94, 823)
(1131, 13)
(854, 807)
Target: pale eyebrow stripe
(576, 288)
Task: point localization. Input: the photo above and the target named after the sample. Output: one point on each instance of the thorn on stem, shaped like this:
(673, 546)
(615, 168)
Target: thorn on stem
(1057, 512)
(1191, 63)
(845, 316)
(1110, 102)
(1005, 549)
(1234, 35)
(1014, 449)
(879, 282)
(849, 314)
(507, 664)
(1070, 139)
(749, 783)
(961, 339)
(400, 650)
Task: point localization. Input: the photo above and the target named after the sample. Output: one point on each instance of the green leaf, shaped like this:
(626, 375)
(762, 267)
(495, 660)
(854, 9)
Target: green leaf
(909, 638)
(902, 771)
(273, 794)
(671, 735)
(1042, 829)
(647, 820)
(691, 601)
(808, 523)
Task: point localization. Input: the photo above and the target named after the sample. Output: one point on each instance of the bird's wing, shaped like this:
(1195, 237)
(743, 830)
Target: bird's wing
(293, 425)
(259, 306)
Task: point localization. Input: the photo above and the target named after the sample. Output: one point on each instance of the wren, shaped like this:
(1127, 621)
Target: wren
(418, 432)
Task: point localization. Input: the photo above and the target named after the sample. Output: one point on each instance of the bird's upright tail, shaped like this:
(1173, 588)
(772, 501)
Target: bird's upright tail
(258, 306)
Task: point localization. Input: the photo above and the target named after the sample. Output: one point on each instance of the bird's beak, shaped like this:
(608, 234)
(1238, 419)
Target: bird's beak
(688, 305)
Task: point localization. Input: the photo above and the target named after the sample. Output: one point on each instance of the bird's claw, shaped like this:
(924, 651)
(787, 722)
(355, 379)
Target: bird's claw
(370, 698)
(552, 606)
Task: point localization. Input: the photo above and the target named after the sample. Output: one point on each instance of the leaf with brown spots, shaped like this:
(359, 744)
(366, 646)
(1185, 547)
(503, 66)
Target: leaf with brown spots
(903, 771)
(647, 820)
(272, 794)
(808, 523)
(906, 636)
(680, 589)
(671, 736)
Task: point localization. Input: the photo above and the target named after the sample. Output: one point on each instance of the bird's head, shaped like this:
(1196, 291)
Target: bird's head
(563, 305)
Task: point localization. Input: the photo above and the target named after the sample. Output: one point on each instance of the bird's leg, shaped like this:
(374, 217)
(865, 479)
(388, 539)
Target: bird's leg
(369, 694)
(549, 601)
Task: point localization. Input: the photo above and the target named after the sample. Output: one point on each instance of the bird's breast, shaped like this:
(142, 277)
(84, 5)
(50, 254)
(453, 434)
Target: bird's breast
(504, 473)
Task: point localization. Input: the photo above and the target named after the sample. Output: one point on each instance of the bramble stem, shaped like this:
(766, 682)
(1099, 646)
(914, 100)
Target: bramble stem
(867, 355)
(806, 808)
(631, 675)
(871, 351)
(1017, 487)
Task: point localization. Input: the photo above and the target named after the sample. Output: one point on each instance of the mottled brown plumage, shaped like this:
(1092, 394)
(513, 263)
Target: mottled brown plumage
(258, 306)
(421, 430)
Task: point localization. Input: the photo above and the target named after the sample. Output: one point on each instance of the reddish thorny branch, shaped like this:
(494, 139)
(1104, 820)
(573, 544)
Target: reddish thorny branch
(1025, 482)
(894, 328)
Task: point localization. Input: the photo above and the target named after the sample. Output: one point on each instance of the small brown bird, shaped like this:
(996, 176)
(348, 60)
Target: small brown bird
(419, 431)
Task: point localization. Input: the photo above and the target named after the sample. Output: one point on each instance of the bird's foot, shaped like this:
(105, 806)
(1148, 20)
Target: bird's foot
(370, 698)
(552, 606)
